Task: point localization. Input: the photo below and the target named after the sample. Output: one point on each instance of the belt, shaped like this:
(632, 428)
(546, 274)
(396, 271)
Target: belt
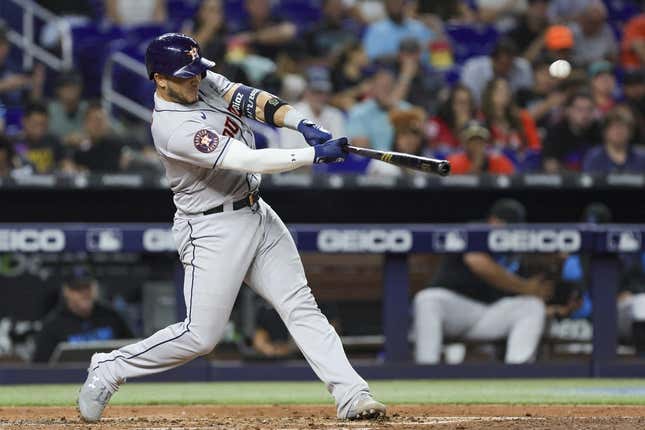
(249, 200)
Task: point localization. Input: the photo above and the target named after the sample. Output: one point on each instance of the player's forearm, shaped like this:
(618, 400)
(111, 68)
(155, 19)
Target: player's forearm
(492, 273)
(242, 158)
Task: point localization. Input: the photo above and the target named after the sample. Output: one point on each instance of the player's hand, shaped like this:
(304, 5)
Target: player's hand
(332, 151)
(313, 133)
(539, 287)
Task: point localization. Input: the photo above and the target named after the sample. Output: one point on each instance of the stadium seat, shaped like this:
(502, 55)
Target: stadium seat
(471, 41)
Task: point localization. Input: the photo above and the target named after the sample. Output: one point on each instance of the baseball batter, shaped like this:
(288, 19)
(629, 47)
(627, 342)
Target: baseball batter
(225, 233)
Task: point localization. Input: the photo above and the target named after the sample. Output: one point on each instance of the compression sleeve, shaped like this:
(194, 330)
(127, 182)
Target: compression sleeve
(242, 158)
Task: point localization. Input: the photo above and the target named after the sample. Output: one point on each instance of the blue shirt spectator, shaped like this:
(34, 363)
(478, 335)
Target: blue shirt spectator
(382, 38)
(616, 155)
(369, 124)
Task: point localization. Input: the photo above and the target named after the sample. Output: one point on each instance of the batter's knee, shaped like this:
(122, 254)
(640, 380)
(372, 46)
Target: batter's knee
(533, 306)
(431, 297)
(202, 343)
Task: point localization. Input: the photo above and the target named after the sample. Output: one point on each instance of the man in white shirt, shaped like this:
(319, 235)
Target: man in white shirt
(314, 105)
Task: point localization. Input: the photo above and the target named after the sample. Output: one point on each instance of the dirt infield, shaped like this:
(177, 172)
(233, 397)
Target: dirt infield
(291, 417)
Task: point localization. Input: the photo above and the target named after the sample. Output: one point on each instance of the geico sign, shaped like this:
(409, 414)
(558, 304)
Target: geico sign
(158, 240)
(534, 240)
(375, 240)
(31, 240)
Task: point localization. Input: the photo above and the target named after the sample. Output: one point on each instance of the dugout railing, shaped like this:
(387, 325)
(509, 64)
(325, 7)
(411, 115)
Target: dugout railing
(395, 243)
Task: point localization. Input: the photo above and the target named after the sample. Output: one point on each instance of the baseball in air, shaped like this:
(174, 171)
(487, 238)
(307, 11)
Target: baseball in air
(560, 69)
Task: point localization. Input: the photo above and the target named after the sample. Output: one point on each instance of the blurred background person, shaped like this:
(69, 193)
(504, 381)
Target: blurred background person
(503, 62)
(594, 38)
(616, 154)
(634, 92)
(129, 13)
(368, 123)
(67, 111)
(409, 138)
(603, 86)
(476, 158)
(477, 296)
(335, 30)
(348, 76)
(632, 45)
(382, 38)
(528, 34)
(42, 150)
(545, 99)
(315, 106)
(79, 317)
(512, 129)
(503, 14)
(453, 114)
(16, 85)
(566, 11)
(567, 140)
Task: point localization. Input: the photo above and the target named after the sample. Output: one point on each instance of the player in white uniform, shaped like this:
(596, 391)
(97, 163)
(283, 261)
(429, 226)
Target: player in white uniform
(225, 233)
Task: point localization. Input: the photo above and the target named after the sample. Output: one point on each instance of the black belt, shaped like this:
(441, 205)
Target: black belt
(249, 200)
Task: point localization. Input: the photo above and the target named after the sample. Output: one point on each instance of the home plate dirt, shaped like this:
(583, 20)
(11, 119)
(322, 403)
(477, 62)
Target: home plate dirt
(291, 417)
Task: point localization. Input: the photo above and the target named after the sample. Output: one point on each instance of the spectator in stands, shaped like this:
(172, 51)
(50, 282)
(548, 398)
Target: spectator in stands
(632, 45)
(368, 124)
(80, 317)
(35, 145)
(594, 38)
(421, 84)
(409, 138)
(16, 85)
(503, 62)
(67, 111)
(512, 129)
(603, 86)
(616, 154)
(503, 14)
(475, 158)
(133, 13)
(443, 129)
(528, 33)
(315, 106)
(209, 28)
(447, 11)
(634, 91)
(267, 35)
(335, 30)
(477, 296)
(348, 76)
(566, 11)
(7, 157)
(558, 44)
(567, 141)
(382, 38)
(546, 98)
(99, 149)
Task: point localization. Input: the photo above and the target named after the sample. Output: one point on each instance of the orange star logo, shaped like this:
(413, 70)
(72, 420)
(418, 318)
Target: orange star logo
(193, 53)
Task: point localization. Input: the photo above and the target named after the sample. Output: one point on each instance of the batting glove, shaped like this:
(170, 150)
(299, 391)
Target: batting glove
(313, 133)
(332, 151)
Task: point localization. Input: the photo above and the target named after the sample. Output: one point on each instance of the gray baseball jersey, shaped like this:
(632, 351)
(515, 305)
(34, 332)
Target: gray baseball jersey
(192, 140)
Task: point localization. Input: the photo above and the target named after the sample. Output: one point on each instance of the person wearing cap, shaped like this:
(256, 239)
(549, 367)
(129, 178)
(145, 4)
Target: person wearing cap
(503, 62)
(477, 296)
(79, 317)
(475, 158)
(67, 111)
(315, 105)
(559, 43)
(616, 154)
(603, 86)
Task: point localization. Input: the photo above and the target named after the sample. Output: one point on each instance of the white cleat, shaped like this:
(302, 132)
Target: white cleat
(366, 408)
(93, 397)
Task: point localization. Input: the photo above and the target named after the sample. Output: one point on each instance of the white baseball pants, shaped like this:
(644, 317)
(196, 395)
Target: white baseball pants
(219, 252)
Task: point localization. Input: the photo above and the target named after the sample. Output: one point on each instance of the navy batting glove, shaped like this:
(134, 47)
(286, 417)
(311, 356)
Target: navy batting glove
(313, 133)
(332, 151)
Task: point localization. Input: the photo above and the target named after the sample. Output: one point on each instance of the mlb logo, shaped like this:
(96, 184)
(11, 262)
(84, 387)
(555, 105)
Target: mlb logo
(624, 241)
(104, 240)
(450, 241)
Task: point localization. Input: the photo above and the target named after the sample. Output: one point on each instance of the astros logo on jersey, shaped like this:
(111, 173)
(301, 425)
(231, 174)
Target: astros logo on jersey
(205, 141)
(193, 53)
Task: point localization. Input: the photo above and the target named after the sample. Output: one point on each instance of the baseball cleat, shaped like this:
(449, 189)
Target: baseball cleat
(93, 397)
(366, 408)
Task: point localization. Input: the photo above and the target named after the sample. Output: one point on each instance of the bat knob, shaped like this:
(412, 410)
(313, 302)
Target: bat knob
(444, 168)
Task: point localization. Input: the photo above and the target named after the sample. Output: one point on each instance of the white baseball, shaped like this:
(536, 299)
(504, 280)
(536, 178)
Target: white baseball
(560, 69)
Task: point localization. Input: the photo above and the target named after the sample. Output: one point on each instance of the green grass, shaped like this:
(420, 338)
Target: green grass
(558, 391)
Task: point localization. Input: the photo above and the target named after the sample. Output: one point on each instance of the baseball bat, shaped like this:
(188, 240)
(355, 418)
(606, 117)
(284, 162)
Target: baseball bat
(423, 164)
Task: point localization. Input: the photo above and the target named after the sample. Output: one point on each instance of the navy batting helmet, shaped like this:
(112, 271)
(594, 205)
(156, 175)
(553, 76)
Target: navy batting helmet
(175, 54)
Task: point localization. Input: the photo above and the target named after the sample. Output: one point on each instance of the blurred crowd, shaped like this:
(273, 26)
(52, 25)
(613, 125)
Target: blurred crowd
(494, 86)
